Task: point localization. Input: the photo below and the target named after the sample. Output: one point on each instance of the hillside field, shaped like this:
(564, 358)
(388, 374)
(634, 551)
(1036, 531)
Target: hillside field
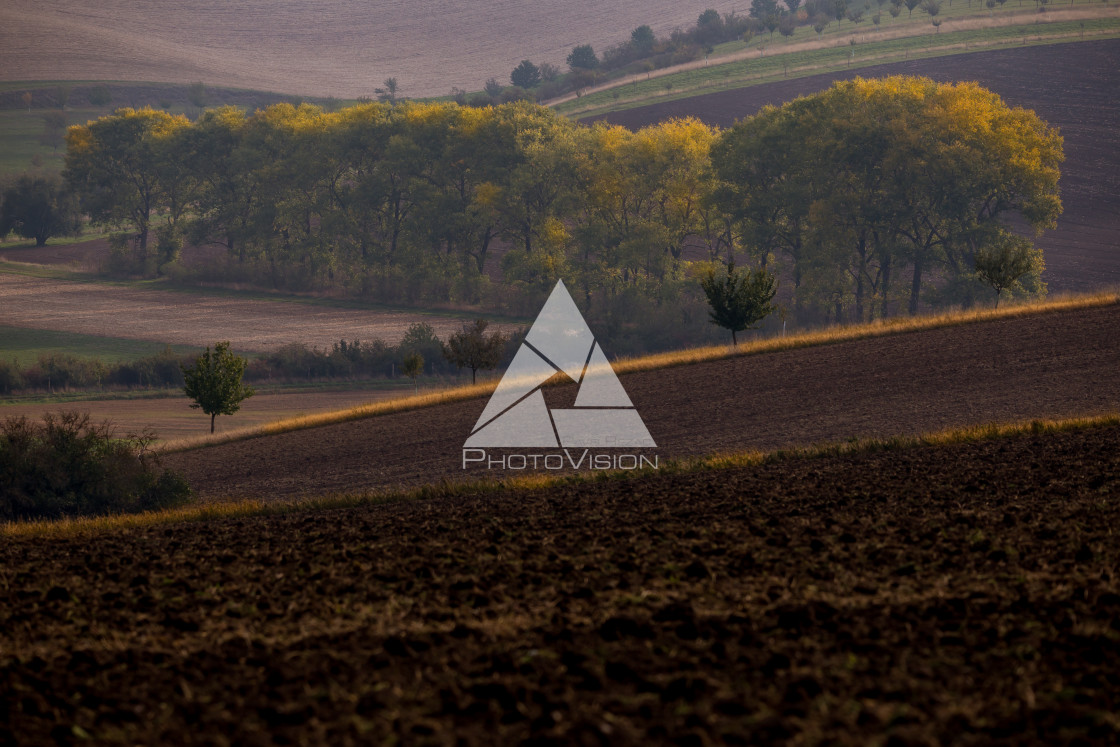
(953, 594)
(343, 48)
(198, 318)
(1054, 364)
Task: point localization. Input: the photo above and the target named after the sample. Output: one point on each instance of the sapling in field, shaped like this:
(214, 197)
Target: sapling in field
(214, 382)
(739, 299)
(412, 366)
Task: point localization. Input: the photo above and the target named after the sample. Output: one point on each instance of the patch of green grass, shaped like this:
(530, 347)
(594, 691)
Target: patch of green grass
(26, 345)
(87, 234)
(841, 55)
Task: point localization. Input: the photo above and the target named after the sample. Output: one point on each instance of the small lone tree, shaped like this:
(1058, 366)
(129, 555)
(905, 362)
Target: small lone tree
(214, 382)
(412, 366)
(739, 299)
(1001, 265)
(472, 348)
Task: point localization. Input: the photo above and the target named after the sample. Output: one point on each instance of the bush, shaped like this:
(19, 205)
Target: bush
(69, 466)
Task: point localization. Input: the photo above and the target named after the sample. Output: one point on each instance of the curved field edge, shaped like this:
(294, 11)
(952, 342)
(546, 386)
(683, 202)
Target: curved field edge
(720, 76)
(658, 361)
(95, 525)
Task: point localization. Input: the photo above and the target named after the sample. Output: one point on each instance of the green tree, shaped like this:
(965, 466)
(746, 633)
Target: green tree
(739, 300)
(412, 366)
(762, 8)
(583, 58)
(38, 207)
(472, 348)
(1002, 263)
(642, 39)
(526, 75)
(388, 93)
(114, 165)
(214, 382)
(493, 88)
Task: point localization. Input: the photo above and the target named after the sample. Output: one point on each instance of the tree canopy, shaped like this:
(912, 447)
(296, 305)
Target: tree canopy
(739, 299)
(583, 58)
(39, 207)
(472, 348)
(869, 198)
(214, 382)
(526, 75)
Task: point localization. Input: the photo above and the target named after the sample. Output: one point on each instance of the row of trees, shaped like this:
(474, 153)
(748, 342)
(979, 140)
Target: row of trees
(843, 191)
(470, 349)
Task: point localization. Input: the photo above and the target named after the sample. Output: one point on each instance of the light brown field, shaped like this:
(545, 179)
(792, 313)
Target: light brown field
(250, 325)
(172, 417)
(327, 48)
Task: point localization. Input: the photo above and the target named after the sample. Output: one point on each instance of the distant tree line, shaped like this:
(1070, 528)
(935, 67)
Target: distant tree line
(869, 194)
(469, 350)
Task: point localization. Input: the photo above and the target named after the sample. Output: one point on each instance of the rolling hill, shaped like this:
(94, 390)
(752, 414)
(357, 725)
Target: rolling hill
(1053, 364)
(343, 48)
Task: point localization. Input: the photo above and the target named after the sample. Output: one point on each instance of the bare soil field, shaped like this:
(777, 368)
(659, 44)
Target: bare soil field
(1071, 86)
(1056, 364)
(963, 594)
(342, 48)
(196, 317)
(171, 418)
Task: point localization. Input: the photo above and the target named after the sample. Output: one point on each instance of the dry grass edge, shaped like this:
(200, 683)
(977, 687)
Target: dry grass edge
(92, 526)
(688, 356)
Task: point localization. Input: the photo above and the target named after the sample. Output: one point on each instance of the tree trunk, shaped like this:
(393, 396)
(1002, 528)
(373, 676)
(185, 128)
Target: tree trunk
(916, 286)
(212, 422)
(886, 286)
(734, 341)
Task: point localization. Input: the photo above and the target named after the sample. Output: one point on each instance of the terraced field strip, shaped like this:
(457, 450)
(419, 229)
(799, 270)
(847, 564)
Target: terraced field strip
(1046, 365)
(197, 318)
(785, 61)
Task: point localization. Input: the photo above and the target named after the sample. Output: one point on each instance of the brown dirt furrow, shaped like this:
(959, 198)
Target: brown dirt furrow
(963, 594)
(1049, 365)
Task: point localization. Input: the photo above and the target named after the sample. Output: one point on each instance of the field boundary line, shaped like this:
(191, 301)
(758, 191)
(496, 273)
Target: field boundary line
(657, 361)
(948, 48)
(255, 507)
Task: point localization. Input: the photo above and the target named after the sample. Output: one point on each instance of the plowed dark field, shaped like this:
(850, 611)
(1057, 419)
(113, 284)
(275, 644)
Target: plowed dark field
(963, 594)
(1050, 365)
(1072, 86)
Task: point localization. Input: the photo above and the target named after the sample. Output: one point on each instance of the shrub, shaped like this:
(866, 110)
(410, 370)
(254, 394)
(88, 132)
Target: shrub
(69, 466)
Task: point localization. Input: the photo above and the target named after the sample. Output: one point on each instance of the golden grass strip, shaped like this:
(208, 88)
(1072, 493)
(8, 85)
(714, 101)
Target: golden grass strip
(96, 525)
(826, 336)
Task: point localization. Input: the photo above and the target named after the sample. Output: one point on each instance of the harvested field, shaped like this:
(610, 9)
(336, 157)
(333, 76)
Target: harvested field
(329, 48)
(962, 594)
(197, 317)
(172, 417)
(1054, 364)
(1071, 86)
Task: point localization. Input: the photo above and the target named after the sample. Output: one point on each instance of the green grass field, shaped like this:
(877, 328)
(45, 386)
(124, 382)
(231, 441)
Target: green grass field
(26, 345)
(835, 54)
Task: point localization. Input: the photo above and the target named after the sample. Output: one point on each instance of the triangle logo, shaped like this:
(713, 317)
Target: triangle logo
(559, 341)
